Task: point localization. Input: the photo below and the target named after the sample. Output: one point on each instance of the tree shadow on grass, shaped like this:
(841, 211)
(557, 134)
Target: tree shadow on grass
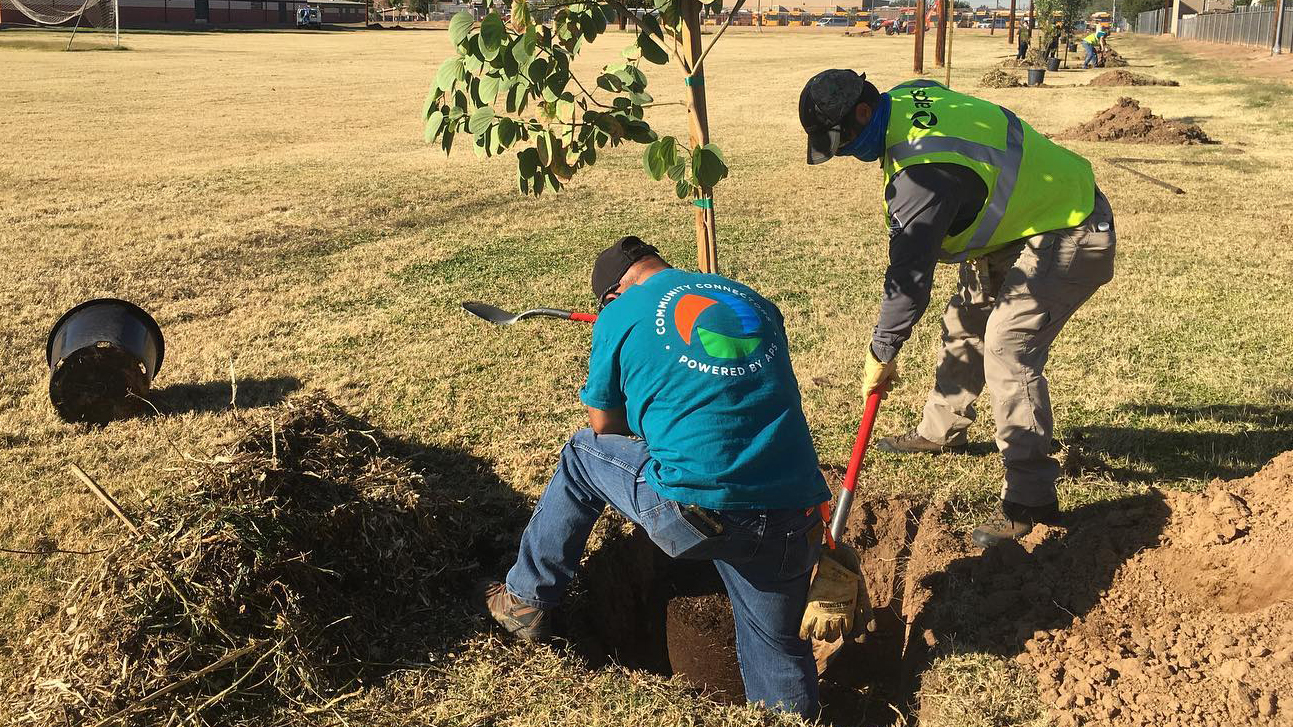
(1218, 440)
(216, 396)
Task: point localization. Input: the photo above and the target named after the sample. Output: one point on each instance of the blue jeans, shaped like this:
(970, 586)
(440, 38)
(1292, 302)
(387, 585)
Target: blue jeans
(1090, 60)
(765, 558)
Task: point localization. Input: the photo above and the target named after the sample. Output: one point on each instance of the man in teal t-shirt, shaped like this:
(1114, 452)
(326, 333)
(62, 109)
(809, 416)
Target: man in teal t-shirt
(698, 435)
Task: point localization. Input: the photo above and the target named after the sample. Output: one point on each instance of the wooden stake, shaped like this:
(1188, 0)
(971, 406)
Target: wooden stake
(1010, 24)
(951, 28)
(940, 42)
(918, 64)
(698, 121)
(105, 497)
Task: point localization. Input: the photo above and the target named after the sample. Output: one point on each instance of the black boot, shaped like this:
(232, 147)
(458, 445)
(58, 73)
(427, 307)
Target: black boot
(1014, 522)
(913, 443)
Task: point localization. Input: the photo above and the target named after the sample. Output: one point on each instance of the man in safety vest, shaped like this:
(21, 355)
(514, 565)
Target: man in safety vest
(1089, 44)
(968, 182)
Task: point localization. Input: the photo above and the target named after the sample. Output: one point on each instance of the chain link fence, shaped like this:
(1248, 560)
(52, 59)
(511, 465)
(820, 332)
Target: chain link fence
(1151, 22)
(1250, 26)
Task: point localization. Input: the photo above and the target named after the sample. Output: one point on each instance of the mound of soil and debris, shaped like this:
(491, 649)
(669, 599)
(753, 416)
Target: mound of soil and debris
(1112, 59)
(998, 78)
(1128, 78)
(1128, 122)
(1197, 631)
(310, 558)
(1157, 609)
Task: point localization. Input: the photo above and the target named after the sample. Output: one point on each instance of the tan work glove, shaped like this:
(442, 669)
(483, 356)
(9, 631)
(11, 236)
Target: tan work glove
(833, 595)
(879, 376)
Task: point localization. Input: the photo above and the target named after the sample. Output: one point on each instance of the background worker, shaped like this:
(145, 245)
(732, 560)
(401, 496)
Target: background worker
(698, 435)
(1089, 43)
(968, 182)
(1025, 35)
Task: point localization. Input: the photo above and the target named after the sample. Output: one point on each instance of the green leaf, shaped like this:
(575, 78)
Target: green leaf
(446, 141)
(652, 162)
(708, 166)
(487, 91)
(450, 72)
(678, 171)
(682, 189)
(651, 50)
(641, 99)
(520, 15)
(492, 35)
(459, 26)
(538, 71)
(527, 162)
(543, 146)
(480, 120)
(648, 23)
(433, 95)
(434, 123)
(507, 132)
(608, 82)
(524, 48)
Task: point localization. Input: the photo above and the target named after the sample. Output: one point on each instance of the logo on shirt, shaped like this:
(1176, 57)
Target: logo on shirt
(716, 329)
(718, 345)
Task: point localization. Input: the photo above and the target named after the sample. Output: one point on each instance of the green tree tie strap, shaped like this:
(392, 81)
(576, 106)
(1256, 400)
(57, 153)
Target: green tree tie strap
(705, 203)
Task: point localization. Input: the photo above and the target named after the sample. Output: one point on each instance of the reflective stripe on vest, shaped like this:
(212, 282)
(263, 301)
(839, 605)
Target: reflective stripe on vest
(1007, 161)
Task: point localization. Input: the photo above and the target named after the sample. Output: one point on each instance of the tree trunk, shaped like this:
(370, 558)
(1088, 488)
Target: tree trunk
(698, 120)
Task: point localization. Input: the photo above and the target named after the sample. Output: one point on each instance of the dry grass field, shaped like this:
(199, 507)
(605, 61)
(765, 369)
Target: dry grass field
(268, 197)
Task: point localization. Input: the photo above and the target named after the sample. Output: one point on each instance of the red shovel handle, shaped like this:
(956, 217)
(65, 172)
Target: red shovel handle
(583, 317)
(860, 446)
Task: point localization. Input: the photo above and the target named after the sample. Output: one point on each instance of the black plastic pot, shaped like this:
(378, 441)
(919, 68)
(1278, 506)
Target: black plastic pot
(1036, 76)
(1052, 64)
(1072, 47)
(99, 353)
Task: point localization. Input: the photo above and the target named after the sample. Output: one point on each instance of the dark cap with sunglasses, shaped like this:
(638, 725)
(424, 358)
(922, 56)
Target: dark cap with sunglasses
(826, 110)
(613, 262)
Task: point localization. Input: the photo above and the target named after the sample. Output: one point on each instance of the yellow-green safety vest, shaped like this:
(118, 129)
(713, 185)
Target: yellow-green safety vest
(1034, 185)
(1093, 38)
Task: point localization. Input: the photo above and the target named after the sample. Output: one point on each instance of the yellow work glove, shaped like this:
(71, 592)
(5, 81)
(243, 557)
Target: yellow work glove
(879, 376)
(833, 595)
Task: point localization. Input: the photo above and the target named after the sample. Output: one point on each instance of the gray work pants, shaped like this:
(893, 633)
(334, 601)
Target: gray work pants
(998, 329)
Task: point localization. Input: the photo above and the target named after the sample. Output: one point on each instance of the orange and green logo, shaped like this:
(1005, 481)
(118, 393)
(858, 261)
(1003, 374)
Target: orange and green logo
(718, 345)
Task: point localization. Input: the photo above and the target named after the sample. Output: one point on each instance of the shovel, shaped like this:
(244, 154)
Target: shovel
(843, 556)
(507, 318)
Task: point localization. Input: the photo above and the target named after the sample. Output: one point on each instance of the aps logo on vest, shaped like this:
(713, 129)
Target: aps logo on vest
(923, 119)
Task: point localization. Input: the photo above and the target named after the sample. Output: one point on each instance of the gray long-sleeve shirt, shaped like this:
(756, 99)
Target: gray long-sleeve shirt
(927, 203)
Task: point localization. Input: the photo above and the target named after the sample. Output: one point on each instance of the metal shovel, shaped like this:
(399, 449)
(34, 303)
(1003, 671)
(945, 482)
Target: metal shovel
(501, 317)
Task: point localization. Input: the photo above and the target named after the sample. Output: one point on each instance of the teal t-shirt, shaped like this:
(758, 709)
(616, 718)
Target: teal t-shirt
(701, 365)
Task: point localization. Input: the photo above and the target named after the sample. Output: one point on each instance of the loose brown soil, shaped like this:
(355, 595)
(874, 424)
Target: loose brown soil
(1128, 78)
(1128, 122)
(1159, 609)
(999, 78)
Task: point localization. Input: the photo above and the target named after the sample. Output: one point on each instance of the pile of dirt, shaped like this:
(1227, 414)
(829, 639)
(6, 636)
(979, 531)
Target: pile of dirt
(1128, 122)
(1113, 60)
(1128, 78)
(1196, 631)
(998, 78)
(307, 561)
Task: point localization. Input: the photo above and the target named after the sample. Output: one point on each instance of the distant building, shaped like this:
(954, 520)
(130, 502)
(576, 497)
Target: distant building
(214, 13)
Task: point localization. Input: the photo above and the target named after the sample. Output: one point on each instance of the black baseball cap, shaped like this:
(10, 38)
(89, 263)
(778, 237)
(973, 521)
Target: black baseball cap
(824, 107)
(616, 260)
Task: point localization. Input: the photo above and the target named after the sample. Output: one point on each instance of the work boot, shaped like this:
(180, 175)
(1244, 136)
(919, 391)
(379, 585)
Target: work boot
(520, 619)
(1014, 522)
(913, 443)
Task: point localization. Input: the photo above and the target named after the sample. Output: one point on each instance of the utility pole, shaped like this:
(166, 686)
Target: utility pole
(1010, 25)
(940, 41)
(992, 26)
(698, 122)
(918, 64)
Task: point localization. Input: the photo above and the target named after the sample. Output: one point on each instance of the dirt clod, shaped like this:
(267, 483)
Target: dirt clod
(1128, 122)
(1128, 78)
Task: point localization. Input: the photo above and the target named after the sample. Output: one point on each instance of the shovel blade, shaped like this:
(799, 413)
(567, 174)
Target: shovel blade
(490, 313)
